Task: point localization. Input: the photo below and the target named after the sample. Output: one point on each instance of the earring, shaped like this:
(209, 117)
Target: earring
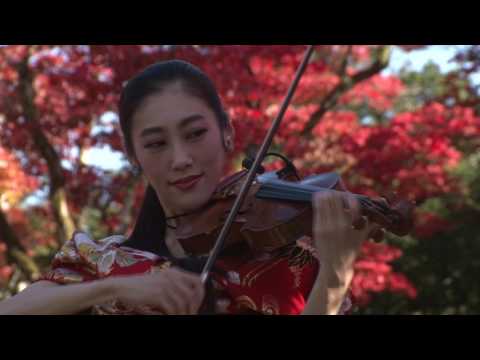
(228, 144)
(136, 170)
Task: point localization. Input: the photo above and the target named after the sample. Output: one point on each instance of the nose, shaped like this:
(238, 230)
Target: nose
(181, 158)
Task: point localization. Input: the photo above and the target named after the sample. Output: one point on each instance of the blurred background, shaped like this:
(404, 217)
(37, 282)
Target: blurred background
(387, 118)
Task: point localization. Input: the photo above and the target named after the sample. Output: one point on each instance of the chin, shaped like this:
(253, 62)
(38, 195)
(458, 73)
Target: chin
(188, 202)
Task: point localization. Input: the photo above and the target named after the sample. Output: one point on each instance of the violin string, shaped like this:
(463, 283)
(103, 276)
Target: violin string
(373, 204)
(293, 192)
(386, 212)
(296, 193)
(371, 209)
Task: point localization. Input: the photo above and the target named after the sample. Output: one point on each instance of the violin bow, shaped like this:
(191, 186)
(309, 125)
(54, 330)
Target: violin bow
(215, 252)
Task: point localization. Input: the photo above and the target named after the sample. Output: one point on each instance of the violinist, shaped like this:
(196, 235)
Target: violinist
(178, 135)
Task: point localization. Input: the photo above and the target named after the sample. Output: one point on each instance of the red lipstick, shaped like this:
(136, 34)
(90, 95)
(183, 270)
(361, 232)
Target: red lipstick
(186, 183)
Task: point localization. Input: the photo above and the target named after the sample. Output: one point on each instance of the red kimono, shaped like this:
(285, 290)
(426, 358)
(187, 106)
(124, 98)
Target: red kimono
(278, 284)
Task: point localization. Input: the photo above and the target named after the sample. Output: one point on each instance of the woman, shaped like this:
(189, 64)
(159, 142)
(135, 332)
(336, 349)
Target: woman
(178, 135)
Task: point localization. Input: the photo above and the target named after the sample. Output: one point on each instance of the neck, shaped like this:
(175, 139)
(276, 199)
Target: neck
(173, 244)
(175, 219)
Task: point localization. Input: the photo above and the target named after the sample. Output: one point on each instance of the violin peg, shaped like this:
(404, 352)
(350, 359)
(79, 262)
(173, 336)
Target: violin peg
(378, 235)
(391, 197)
(360, 223)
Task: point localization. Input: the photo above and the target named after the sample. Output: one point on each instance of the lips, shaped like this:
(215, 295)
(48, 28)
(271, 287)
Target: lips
(186, 183)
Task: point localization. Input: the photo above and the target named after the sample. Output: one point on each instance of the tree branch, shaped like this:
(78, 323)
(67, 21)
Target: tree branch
(345, 84)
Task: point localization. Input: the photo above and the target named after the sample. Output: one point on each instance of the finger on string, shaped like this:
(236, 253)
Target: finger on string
(353, 207)
(336, 203)
(358, 221)
(318, 201)
(320, 212)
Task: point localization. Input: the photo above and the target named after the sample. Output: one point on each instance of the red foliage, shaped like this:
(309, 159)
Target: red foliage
(378, 93)
(374, 274)
(14, 183)
(414, 153)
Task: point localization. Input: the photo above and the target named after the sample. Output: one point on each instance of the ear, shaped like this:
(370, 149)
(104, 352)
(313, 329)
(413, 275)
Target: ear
(229, 138)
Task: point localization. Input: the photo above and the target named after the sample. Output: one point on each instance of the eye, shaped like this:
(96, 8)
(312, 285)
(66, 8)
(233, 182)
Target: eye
(155, 145)
(196, 134)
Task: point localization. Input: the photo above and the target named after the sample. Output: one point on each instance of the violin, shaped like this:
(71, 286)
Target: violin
(278, 211)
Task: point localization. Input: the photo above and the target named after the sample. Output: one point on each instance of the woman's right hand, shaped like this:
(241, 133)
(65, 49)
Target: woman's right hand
(173, 291)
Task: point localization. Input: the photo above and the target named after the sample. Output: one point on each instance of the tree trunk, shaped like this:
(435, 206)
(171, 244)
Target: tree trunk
(57, 195)
(16, 253)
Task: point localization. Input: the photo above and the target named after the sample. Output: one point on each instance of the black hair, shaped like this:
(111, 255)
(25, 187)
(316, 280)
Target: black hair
(150, 228)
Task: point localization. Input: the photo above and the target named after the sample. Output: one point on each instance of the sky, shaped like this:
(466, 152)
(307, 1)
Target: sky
(415, 60)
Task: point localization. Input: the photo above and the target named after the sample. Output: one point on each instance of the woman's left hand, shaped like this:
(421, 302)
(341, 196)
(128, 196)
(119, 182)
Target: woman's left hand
(338, 231)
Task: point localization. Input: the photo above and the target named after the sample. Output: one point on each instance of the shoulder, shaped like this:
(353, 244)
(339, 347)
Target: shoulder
(83, 258)
(80, 237)
(82, 246)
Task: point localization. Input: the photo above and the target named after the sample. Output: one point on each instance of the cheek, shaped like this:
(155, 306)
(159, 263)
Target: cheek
(152, 164)
(214, 158)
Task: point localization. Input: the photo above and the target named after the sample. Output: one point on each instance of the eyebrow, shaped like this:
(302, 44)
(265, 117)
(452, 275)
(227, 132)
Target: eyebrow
(183, 123)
